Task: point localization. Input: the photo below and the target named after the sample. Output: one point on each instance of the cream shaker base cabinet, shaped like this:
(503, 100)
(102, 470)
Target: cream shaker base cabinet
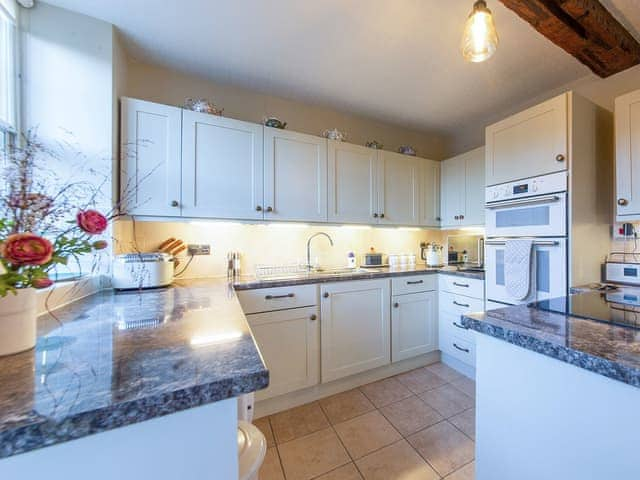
(222, 167)
(414, 325)
(295, 176)
(462, 180)
(289, 341)
(151, 165)
(530, 143)
(627, 118)
(355, 330)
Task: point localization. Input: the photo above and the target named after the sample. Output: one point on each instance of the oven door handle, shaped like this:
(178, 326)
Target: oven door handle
(537, 243)
(522, 201)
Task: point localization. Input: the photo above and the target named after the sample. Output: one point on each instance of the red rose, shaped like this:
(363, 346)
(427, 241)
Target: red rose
(42, 282)
(26, 249)
(92, 222)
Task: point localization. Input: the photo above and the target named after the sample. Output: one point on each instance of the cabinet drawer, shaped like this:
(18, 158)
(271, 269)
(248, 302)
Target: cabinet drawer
(470, 287)
(277, 298)
(413, 284)
(458, 347)
(459, 304)
(451, 324)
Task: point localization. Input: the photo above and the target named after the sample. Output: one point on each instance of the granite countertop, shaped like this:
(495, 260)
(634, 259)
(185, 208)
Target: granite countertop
(609, 350)
(252, 282)
(114, 359)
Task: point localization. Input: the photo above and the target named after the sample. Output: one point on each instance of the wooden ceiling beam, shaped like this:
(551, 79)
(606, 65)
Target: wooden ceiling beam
(583, 28)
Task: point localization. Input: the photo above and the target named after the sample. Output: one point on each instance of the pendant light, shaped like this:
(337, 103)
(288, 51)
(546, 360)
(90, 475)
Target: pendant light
(480, 39)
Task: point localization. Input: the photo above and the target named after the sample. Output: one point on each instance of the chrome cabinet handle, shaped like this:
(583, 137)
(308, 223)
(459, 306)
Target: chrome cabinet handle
(396, 305)
(461, 217)
(273, 297)
(258, 208)
(623, 201)
(465, 285)
(522, 201)
(559, 158)
(375, 215)
(465, 350)
(269, 209)
(416, 282)
(175, 203)
(456, 324)
(313, 317)
(438, 219)
(325, 294)
(461, 304)
(382, 215)
(457, 217)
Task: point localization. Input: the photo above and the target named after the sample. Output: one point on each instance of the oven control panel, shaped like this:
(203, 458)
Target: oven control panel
(529, 187)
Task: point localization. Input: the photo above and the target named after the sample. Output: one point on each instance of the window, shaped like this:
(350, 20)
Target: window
(8, 71)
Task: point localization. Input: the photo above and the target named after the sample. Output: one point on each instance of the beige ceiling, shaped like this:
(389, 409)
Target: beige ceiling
(393, 60)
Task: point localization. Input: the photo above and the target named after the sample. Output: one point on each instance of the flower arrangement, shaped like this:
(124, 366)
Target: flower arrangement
(45, 221)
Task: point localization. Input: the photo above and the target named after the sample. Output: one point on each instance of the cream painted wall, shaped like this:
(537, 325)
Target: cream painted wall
(164, 85)
(269, 243)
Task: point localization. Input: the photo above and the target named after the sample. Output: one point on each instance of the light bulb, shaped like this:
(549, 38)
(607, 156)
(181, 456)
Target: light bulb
(480, 39)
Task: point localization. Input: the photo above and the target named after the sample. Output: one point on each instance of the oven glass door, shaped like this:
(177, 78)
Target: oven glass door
(550, 260)
(542, 216)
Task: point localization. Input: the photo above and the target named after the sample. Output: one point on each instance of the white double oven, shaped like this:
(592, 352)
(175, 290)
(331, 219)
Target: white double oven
(533, 208)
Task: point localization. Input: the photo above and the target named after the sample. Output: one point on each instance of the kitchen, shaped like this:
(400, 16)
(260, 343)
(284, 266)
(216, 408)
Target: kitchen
(326, 277)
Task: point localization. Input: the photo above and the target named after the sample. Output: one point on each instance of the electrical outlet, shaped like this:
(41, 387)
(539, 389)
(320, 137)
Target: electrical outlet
(619, 232)
(195, 249)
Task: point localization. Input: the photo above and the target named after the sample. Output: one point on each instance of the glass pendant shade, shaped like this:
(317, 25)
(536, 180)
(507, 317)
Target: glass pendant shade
(480, 39)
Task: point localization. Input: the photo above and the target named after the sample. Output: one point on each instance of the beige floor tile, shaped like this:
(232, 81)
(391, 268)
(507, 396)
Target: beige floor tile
(348, 472)
(467, 385)
(410, 415)
(313, 455)
(297, 422)
(385, 391)
(444, 371)
(366, 433)
(396, 462)
(421, 380)
(468, 472)
(444, 447)
(346, 405)
(271, 468)
(447, 400)
(466, 421)
(265, 427)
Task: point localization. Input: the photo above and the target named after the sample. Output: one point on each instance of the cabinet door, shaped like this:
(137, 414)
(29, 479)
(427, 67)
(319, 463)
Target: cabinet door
(289, 341)
(414, 325)
(222, 167)
(528, 143)
(452, 191)
(398, 196)
(355, 327)
(430, 193)
(474, 188)
(352, 183)
(150, 154)
(627, 118)
(295, 176)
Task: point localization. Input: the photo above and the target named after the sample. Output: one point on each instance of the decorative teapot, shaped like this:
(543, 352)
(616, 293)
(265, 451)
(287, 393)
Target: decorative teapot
(202, 105)
(374, 144)
(334, 134)
(274, 123)
(407, 150)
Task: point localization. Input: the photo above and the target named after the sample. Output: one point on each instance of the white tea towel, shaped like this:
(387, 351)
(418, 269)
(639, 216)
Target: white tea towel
(517, 267)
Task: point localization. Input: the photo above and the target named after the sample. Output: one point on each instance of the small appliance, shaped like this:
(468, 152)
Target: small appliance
(142, 270)
(373, 259)
(626, 273)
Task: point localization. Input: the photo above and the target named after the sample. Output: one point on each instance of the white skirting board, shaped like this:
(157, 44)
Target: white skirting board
(463, 368)
(538, 418)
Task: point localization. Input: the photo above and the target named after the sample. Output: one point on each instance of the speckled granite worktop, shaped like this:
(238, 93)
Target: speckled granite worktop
(115, 359)
(608, 350)
(250, 283)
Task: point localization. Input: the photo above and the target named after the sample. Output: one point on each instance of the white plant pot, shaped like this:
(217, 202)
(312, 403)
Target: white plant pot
(18, 315)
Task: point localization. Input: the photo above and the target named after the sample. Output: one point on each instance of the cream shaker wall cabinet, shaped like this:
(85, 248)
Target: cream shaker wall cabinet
(462, 189)
(150, 158)
(530, 143)
(398, 189)
(627, 128)
(430, 193)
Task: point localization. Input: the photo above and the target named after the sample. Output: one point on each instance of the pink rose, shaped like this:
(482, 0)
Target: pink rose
(42, 282)
(26, 249)
(100, 244)
(92, 222)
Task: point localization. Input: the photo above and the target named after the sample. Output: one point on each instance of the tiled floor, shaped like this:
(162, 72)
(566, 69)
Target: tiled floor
(419, 425)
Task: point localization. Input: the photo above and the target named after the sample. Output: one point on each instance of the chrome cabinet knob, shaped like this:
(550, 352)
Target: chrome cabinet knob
(457, 217)
(175, 203)
(258, 208)
(623, 201)
(269, 209)
(438, 219)
(313, 317)
(461, 217)
(325, 294)
(375, 215)
(559, 158)
(396, 305)
(382, 215)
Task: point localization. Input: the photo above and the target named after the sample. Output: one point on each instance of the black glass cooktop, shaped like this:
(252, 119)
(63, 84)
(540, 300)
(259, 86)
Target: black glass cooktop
(619, 307)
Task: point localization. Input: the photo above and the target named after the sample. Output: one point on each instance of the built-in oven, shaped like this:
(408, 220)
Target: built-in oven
(535, 207)
(548, 275)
